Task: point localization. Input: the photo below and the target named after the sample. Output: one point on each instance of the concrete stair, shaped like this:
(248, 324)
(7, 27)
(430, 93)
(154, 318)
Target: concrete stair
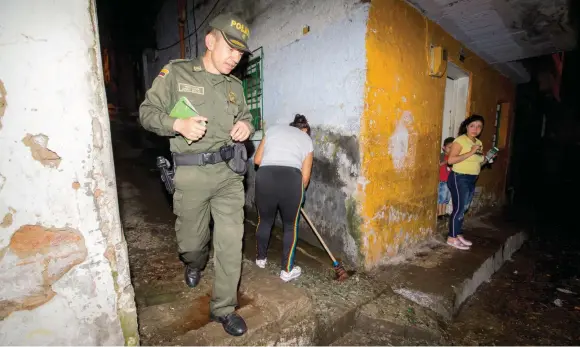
(275, 314)
(442, 278)
(393, 320)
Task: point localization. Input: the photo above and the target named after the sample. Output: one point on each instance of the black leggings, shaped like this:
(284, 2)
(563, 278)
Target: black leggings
(278, 187)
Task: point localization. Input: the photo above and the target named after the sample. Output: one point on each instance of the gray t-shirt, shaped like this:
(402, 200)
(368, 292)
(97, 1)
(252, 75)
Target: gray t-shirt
(286, 146)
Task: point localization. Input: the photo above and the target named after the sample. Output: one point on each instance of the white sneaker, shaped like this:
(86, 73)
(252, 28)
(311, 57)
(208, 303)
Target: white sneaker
(457, 244)
(464, 241)
(293, 274)
(262, 263)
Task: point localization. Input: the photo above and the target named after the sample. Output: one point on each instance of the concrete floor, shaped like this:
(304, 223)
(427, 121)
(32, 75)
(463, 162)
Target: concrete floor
(365, 310)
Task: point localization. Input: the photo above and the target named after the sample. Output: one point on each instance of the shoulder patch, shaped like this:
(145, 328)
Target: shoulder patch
(163, 73)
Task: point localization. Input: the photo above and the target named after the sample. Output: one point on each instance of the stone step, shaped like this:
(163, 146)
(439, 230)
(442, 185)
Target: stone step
(441, 278)
(392, 315)
(366, 338)
(276, 314)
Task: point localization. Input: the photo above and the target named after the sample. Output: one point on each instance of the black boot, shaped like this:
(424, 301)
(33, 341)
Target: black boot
(192, 276)
(233, 323)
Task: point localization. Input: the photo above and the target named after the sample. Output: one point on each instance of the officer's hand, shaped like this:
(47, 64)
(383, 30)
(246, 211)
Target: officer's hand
(240, 131)
(191, 128)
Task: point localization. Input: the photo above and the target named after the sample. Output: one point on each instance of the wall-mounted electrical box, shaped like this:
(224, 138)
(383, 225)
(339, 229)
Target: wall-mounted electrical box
(437, 61)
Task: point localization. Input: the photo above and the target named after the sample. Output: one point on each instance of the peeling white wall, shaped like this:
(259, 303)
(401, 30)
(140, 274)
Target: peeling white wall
(63, 262)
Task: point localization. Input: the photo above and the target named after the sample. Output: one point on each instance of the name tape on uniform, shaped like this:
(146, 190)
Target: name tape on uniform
(188, 88)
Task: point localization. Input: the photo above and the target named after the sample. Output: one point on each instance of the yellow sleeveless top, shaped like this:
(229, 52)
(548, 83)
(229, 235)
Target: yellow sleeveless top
(471, 165)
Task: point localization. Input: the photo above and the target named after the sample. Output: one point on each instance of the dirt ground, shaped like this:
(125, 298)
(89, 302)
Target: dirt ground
(532, 300)
(528, 302)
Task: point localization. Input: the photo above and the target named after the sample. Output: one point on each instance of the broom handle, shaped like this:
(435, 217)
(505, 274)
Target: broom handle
(317, 234)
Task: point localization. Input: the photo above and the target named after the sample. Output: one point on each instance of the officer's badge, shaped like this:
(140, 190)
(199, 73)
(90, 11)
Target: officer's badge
(197, 68)
(232, 97)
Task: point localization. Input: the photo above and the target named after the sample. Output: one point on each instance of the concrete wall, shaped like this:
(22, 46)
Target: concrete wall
(321, 75)
(63, 259)
(361, 77)
(401, 128)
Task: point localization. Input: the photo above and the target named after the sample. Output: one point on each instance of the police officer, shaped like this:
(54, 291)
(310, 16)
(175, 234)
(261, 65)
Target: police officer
(204, 183)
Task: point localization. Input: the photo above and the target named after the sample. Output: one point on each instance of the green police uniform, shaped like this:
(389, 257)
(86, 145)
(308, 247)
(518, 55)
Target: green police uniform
(212, 188)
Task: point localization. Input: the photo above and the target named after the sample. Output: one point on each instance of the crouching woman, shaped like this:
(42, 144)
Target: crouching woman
(284, 158)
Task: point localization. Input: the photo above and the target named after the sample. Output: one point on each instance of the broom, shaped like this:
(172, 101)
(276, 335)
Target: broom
(341, 274)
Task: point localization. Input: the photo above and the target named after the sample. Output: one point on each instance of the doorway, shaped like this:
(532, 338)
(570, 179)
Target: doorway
(454, 112)
(455, 104)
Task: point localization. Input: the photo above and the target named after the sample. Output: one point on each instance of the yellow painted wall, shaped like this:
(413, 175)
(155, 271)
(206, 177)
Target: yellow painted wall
(404, 105)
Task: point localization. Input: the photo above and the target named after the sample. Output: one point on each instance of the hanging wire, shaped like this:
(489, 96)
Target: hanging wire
(196, 29)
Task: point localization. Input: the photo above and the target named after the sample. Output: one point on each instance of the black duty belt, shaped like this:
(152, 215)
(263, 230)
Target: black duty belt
(201, 159)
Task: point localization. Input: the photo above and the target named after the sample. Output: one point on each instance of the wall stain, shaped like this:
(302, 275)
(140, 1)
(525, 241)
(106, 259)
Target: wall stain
(38, 148)
(3, 102)
(8, 218)
(348, 143)
(329, 196)
(97, 133)
(326, 172)
(43, 256)
(354, 222)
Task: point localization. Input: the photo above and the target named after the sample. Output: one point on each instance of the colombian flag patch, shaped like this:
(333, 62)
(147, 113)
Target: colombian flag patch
(163, 72)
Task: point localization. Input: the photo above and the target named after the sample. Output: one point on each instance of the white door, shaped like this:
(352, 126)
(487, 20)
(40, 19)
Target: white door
(448, 110)
(461, 86)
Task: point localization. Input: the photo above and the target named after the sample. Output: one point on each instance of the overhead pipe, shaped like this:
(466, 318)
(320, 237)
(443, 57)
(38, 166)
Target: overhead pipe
(181, 13)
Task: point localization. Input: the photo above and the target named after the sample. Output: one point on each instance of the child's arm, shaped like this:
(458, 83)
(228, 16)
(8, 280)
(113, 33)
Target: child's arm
(442, 160)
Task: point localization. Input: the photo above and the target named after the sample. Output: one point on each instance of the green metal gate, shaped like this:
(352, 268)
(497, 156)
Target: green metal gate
(253, 82)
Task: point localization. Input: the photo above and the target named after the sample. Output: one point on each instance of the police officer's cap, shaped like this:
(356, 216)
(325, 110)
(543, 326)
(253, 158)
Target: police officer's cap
(235, 30)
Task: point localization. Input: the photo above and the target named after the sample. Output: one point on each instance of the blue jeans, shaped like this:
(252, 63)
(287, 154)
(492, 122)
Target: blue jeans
(462, 187)
(443, 194)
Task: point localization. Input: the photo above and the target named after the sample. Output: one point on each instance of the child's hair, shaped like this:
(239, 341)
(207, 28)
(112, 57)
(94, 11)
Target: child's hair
(469, 120)
(448, 141)
(301, 122)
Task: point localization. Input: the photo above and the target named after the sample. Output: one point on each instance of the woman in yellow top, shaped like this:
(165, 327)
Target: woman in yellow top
(467, 158)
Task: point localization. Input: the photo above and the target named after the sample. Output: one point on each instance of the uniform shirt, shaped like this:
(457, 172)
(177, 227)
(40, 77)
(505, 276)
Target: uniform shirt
(471, 165)
(286, 146)
(218, 98)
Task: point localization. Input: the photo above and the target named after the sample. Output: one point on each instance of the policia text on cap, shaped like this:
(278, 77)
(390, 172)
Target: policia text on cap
(206, 182)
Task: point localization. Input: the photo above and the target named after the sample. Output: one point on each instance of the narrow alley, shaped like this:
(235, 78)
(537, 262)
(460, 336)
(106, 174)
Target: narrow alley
(433, 145)
(536, 293)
